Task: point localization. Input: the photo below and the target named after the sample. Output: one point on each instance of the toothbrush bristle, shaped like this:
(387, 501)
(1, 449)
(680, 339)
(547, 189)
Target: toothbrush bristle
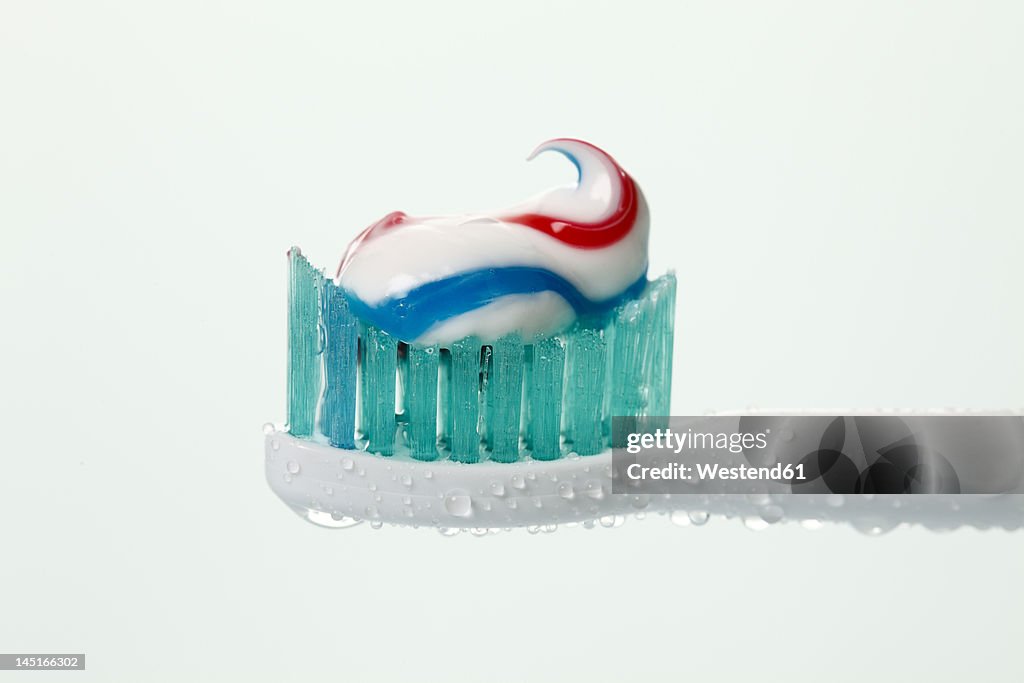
(641, 364)
(341, 344)
(504, 398)
(584, 400)
(378, 362)
(419, 401)
(467, 401)
(545, 371)
(461, 400)
(304, 363)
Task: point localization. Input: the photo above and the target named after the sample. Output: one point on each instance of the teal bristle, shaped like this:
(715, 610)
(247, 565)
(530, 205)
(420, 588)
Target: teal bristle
(304, 287)
(584, 400)
(662, 298)
(419, 401)
(462, 400)
(378, 363)
(504, 398)
(513, 398)
(546, 369)
(341, 338)
(641, 357)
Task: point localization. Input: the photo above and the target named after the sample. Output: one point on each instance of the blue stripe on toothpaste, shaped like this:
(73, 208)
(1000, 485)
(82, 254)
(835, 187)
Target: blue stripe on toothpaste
(408, 317)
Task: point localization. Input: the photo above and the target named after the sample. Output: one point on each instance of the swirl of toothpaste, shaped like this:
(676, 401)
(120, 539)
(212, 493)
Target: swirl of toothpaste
(571, 252)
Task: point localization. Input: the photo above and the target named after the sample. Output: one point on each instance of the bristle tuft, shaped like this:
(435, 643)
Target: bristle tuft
(584, 397)
(341, 338)
(504, 398)
(419, 398)
(462, 400)
(544, 402)
(304, 287)
(377, 367)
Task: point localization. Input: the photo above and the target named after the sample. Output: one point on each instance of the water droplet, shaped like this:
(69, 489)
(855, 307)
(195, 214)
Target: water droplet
(406, 500)
(376, 524)
(478, 531)
(565, 490)
(512, 503)
(371, 512)
(874, 526)
(610, 521)
(518, 482)
(533, 529)
(531, 476)
(406, 481)
(275, 444)
(812, 524)
(497, 488)
(755, 523)
(372, 487)
(458, 503)
(328, 490)
(293, 467)
(640, 502)
(593, 489)
(407, 512)
(428, 474)
(287, 478)
(772, 513)
(347, 464)
(268, 428)
(333, 520)
(698, 517)
(679, 518)
(549, 528)
(448, 531)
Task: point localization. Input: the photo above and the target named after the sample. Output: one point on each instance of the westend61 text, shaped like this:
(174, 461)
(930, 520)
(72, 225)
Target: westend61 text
(711, 471)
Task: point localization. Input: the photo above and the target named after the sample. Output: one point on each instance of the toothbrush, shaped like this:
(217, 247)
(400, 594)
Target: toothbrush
(462, 371)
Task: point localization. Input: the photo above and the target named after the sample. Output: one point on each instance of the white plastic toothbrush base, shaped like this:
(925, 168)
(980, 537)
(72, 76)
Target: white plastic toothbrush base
(339, 488)
(314, 477)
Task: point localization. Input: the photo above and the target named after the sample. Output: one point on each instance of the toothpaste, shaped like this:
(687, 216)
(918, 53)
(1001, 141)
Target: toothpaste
(571, 252)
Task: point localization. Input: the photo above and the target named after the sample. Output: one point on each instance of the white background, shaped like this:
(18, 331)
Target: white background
(837, 185)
